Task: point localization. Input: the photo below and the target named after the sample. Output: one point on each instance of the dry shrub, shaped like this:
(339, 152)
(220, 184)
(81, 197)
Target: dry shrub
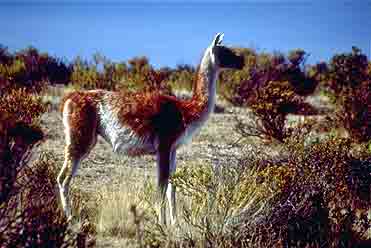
(30, 218)
(21, 106)
(270, 105)
(148, 79)
(219, 207)
(321, 190)
(348, 79)
(182, 77)
(29, 213)
(157, 80)
(347, 70)
(355, 111)
(30, 69)
(136, 74)
(19, 132)
(322, 184)
(27, 197)
(273, 86)
(312, 195)
(88, 75)
(260, 69)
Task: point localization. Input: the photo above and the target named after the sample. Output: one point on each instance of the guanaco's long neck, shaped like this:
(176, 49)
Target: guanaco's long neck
(204, 90)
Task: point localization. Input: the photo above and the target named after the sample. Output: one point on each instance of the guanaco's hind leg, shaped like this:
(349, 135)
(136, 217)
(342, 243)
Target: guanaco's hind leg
(80, 124)
(65, 176)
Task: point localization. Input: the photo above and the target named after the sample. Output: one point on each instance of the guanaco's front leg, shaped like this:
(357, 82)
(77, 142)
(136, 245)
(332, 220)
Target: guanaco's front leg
(171, 188)
(164, 155)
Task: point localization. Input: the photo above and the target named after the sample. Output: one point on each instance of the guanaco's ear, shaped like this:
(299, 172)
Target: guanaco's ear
(218, 39)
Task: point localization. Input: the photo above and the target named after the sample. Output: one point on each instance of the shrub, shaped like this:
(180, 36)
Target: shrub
(103, 74)
(31, 218)
(29, 211)
(271, 105)
(19, 131)
(87, 76)
(220, 207)
(314, 195)
(151, 80)
(22, 106)
(261, 69)
(347, 70)
(31, 70)
(272, 86)
(354, 111)
(182, 77)
(320, 192)
(322, 189)
(349, 80)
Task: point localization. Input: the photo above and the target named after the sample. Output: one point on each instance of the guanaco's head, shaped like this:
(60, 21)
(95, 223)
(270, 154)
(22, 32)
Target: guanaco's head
(224, 56)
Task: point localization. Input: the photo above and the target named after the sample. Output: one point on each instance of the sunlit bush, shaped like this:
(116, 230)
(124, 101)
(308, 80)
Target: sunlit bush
(31, 70)
(21, 106)
(349, 81)
(347, 70)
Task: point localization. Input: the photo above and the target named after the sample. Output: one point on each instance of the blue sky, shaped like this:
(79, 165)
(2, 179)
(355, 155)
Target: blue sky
(176, 32)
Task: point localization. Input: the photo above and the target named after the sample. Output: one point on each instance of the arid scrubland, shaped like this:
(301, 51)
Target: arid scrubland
(285, 163)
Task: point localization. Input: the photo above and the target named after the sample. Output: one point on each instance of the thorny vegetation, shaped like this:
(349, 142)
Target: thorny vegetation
(314, 192)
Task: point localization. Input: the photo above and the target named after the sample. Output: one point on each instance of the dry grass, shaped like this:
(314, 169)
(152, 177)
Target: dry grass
(118, 205)
(215, 205)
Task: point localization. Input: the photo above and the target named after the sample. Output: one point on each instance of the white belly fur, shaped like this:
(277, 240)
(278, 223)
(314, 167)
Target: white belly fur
(122, 138)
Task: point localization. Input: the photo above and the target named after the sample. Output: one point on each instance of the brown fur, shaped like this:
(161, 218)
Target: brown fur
(157, 119)
(155, 114)
(82, 120)
(146, 113)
